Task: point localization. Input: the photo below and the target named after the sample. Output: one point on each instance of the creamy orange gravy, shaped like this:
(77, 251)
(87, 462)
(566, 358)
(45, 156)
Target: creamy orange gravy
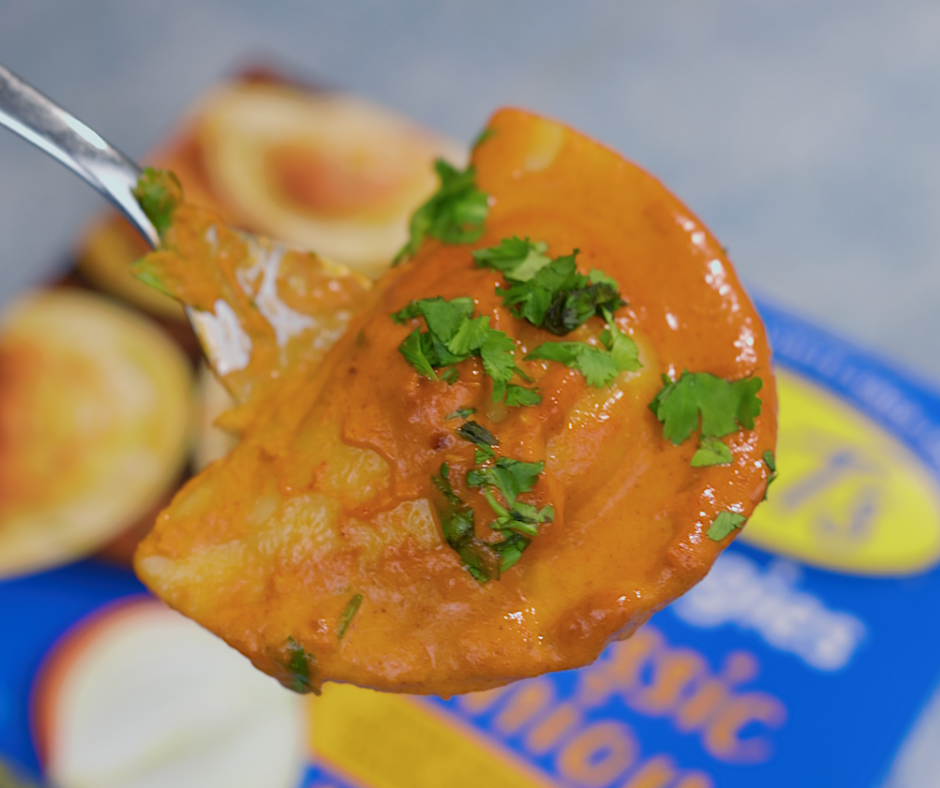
(330, 495)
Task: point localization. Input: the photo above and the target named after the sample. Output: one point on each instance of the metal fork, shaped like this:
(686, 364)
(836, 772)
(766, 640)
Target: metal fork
(27, 112)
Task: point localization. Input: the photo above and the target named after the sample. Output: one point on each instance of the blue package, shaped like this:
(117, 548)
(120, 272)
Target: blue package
(805, 657)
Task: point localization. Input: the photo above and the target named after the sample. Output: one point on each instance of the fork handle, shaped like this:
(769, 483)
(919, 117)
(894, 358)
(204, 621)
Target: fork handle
(27, 112)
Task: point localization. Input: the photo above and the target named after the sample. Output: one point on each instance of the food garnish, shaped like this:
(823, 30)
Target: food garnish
(724, 524)
(723, 405)
(454, 214)
(349, 612)
(454, 336)
(301, 668)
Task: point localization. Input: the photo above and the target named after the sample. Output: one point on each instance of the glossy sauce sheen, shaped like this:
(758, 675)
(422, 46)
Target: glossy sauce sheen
(330, 493)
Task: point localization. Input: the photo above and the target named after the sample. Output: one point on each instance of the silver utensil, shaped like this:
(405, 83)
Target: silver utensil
(221, 332)
(25, 111)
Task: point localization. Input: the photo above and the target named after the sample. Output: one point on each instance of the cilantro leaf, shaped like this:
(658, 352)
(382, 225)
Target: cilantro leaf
(457, 526)
(454, 214)
(402, 316)
(514, 477)
(517, 396)
(444, 317)
(437, 352)
(724, 524)
(625, 353)
(570, 309)
(550, 294)
(771, 463)
(519, 260)
(477, 433)
(150, 275)
(517, 521)
(346, 617)
(470, 336)
(596, 364)
(722, 405)
(414, 352)
(454, 336)
(480, 559)
(711, 452)
(450, 376)
(482, 137)
(749, 403)
(510, 550)
(158, 192)
(498, 355)
(301, 666)
(532, 299)
(511, 478)
(527, 301)
(483, 453)
(460, 413)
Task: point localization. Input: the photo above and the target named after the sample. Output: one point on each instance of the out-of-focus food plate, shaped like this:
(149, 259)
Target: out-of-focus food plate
(320, 170)
(95, 406)
(326, 172)
(137, 696)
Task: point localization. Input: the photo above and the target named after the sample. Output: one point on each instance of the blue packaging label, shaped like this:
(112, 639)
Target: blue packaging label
(804, 657)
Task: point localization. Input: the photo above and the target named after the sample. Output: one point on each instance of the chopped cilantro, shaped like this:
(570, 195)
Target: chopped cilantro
(481, 437)
(478, 434)
(454, 214)
(517, 521)
(553, 295)
(450, 376)
(402, 316)
(457, 526)
(149, 274)
(445, 317)
(346, 617)
(158, 192)
(722, 404)
(499, 361)
(470, 336)
(711, 451)
(622, 348)
(483, 453)
(596, 364)
(724, 524)
(454, 336)
(413, 349)
(510, 550)
(519, 260)
(517, 396)
(300, 665)
(550, 294)
(511, 478)
(771, 463)
(482, 137)
(460, 413)
(575, 303)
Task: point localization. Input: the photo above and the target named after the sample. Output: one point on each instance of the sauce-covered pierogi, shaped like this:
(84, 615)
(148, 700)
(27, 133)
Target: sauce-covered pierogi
(537, 429)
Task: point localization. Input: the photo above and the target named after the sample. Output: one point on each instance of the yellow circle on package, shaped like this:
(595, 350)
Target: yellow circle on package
(849, 497)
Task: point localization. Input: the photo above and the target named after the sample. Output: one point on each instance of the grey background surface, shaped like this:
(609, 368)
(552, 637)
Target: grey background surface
(804, 134)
